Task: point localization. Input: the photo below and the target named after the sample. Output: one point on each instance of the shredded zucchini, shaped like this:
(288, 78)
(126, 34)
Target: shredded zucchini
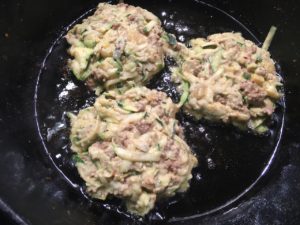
(185, 95)
(77, 159)
(269, 38)
(71, 116)
(136, 156)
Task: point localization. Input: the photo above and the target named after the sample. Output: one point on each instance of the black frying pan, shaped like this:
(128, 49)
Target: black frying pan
(242, 178)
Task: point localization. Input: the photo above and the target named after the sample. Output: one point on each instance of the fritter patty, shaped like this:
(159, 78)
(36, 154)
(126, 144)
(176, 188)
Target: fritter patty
(131, 146)
(118, 46)
(228, 78)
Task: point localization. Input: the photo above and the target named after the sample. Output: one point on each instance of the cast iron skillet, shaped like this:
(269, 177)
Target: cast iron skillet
(231, 161)
(233, 164)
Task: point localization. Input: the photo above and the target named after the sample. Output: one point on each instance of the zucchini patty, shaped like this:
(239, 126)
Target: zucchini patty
(227, 78)
(131, 146)
(118, 46)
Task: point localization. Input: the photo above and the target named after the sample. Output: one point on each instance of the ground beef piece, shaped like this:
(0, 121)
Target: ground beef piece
(255, 94)
(144, 127)
(220, 98)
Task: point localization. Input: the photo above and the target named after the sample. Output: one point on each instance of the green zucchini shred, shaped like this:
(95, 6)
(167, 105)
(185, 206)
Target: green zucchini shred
(185, 95)
(77, 159)
(160, 122)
